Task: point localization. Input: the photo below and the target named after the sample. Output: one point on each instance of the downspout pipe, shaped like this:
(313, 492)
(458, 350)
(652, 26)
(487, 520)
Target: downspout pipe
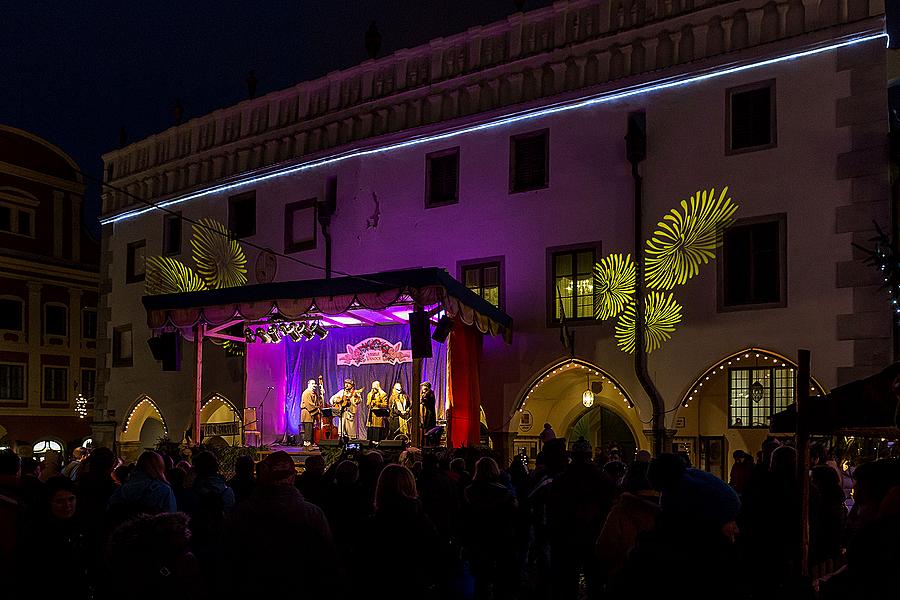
(325, 210)
(636, 152)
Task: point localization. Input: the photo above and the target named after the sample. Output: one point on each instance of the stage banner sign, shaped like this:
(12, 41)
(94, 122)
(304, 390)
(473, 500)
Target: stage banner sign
(374, 351)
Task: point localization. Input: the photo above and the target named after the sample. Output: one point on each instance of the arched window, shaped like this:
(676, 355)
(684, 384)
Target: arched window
(41, 447)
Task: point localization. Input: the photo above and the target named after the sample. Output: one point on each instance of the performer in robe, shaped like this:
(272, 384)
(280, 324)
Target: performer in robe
(401, 410)
(347, 400)
(429, 408)
(376, 400)
(309, 410)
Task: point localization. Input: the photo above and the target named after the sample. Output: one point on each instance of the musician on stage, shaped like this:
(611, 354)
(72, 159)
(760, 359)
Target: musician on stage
(429, 406)
(309, 410)
(376, 400)
(400, 412)
(347, 401)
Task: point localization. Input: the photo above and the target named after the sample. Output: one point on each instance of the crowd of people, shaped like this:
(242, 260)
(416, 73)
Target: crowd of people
(449, 524)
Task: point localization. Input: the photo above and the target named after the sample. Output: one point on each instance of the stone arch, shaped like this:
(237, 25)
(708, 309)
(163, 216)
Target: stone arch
(219, 409)
(554, 395)
(144, 408)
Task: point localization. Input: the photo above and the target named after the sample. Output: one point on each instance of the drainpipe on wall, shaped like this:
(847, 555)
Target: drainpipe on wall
(636, 152)
(325, 210)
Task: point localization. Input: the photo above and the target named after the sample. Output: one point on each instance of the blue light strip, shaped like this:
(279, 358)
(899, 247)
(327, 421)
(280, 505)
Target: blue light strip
(646, 88)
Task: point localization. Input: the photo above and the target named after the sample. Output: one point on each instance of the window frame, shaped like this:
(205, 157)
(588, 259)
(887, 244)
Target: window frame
(491, 261)
(166, 239)
(84, 335)
(66, 320)
(117, 359)
(429, 203)
(44, 400)
(14, 209)
(24, 399)
(84, 370)
(290, 246)
(722, 266)
(130, 275)
(513, 139)
(234, 200)
(21, 302)
(550, 278)
(772, 394)
(773, 116)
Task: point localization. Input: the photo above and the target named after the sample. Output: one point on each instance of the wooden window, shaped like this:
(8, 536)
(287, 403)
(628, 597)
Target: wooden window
(172, 235)
(12, 382)
(242, 215)
(442, 178)
(754, 264)
(136, 261)
(529, 161)
(300, 225)
(571, 283)
(751, 123)
(11, 314)
(56, 320)
(485, 279)
(56, 384)
(122, 346)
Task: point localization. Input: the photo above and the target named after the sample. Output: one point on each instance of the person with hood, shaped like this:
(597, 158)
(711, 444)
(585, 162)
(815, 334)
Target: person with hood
(633, 513)
(146, 492)
(488, 531)
(244, 478)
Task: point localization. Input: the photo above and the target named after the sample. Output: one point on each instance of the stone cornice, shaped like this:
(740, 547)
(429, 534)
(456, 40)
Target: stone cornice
(49, 180)
(615, 49)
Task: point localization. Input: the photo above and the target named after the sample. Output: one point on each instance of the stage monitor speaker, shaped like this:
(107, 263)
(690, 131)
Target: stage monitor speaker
(442, 329)
(420, 334)
(329, 443)
(392, 444)
(167, 348)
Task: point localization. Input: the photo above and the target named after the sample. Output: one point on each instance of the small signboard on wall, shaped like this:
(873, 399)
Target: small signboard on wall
(221, 429)
(526, 421)
(679, 423)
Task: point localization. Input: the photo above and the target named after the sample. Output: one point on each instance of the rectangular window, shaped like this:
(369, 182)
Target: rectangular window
(529, 161)
(12, 383)
(5, 218)
(300, 225)
(56, 382)
(56, 320)
(17, 219)
(751, 117)
(753, 265)
(172, 235)
(484, 279)
(88, 383)
(757, 393)
(572, 284)
(122, 346)
(89, 323)
(442, 178)
(25, 222)
(242, 215)
(136, 257)
(11, 317)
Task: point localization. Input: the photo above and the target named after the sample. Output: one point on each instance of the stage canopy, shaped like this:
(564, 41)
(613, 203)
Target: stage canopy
(375, 299)
(868, 406)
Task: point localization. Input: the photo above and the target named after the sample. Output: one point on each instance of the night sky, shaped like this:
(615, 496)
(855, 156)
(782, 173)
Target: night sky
(74, 73)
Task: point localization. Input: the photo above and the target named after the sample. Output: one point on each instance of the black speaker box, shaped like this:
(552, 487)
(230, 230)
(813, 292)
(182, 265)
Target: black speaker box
(167, 348)
(388, 444)
(442, 329)
(420, 334)
(329, 443)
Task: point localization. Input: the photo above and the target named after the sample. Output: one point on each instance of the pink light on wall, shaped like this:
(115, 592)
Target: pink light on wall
(266, 367)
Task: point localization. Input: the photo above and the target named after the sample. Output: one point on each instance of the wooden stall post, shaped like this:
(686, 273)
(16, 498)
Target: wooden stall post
(198, 394)
(803, 368)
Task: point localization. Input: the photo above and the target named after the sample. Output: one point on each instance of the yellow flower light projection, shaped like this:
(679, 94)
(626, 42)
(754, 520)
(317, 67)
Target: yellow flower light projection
(683, 242)
(614, 279)
(662, 312)
(166, 275)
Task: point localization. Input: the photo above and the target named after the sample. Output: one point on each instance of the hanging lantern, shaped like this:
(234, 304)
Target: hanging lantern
(756, 391)
(587, 398)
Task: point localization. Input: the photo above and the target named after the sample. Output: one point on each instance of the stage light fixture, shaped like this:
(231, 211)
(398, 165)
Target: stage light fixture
(249, 336)
(319, 330)
(263, 335)
(294, 331)
(275, 333)
(306, 331)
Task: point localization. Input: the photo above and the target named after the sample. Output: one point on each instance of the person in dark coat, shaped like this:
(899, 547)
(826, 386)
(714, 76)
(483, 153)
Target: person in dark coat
(439, 495)
(488, 532)
(147, 490)
(244, 478)
(311, 482)
(429, 406)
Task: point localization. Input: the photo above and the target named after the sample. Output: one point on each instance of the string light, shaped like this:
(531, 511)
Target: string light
(81, 406)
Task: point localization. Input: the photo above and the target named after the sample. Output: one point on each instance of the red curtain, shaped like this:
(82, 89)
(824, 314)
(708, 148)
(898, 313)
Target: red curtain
(465, 390)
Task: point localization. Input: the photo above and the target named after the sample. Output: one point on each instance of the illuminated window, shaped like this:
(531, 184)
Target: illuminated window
(56, 384)
(751, 117)
(300, 225)
(753, 265)
(56, 320)
(484, 280)
(572, 283)
(442, 178)
(172, 234)
(12, 383)
(122, 346)
(135, 257)
(43, 446)
(11, 317)
(242, 215)
(755, 394)
(89, 323)
(529, 161)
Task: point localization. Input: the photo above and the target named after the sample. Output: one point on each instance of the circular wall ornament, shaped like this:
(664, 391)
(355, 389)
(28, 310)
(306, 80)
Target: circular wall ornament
(526, 421)
(266, 267)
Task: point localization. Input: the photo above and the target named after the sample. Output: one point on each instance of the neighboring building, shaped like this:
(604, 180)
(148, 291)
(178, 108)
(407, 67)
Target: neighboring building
(785, 102)
(49, 268)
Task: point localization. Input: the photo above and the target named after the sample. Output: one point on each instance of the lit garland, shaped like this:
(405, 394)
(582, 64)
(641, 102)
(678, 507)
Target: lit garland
(81, 406)
(570, 365)
(887, 260)
(134, 410)
(683, 242)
